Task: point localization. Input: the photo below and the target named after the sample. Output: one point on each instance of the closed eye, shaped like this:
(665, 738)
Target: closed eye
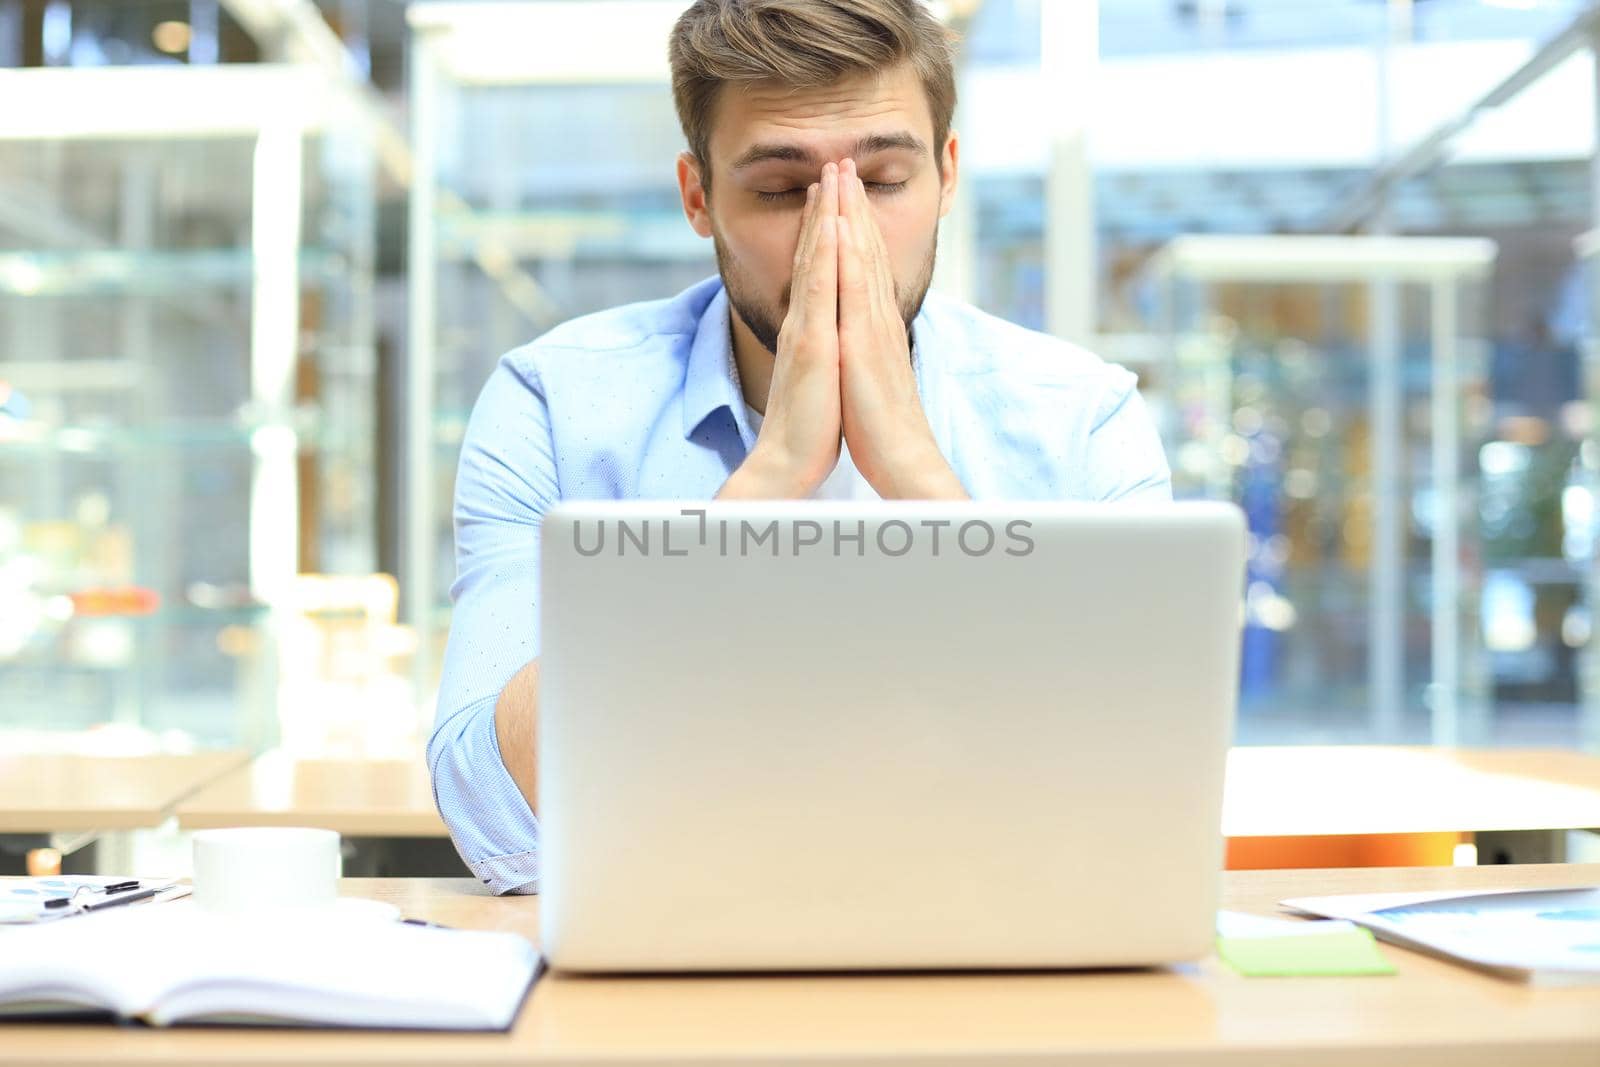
(881, 188)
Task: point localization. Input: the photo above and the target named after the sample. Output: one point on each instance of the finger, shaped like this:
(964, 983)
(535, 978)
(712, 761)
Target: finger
(808, 220)
(870, 250)
(805, 245)
(880, 257)
(822, 279)
(855, 197)
(849, 268)
(853, 282)
(863, 228)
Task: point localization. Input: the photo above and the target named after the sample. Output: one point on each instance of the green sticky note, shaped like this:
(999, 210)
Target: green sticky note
(1346, 952)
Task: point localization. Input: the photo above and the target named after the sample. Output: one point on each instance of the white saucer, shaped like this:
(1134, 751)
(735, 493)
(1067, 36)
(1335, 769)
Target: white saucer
(341, 912)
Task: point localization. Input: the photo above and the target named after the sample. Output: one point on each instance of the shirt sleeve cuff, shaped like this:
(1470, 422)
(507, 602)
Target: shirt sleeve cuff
(517, 873)
(490, 822)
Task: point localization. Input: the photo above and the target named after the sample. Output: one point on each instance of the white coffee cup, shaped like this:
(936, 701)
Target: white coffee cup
(266, 869)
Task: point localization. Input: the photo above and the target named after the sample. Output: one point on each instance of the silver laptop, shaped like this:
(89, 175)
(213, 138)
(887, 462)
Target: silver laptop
(805, 735)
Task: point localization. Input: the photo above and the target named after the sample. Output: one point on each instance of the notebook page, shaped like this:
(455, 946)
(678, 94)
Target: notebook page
(369, 975)
(114, 960)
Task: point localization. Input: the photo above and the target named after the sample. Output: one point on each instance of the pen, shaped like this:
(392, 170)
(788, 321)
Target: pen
(114, 887)
(130, 898)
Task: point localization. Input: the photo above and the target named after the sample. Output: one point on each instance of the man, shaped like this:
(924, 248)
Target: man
(816, 362)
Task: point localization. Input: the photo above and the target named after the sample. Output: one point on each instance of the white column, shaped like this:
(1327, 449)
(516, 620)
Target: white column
(274, 348)
(1589, 252)
(1069, 57)
(417, 536)
(274, 556)
(1445, 690)
(1386, 600)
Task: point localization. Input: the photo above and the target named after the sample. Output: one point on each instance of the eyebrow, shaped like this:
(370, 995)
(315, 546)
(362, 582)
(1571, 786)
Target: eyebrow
(864, 146)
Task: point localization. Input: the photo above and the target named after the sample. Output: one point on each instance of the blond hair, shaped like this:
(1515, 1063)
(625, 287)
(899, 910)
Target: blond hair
(804, 44)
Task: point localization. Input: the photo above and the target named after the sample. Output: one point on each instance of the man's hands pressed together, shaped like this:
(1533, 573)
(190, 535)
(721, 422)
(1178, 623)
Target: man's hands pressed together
(885, 426)
(843, 365)
(800, 431)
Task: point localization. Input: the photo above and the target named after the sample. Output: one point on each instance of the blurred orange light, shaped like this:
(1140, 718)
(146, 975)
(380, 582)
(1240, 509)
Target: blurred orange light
(171, 37)
(120, 600)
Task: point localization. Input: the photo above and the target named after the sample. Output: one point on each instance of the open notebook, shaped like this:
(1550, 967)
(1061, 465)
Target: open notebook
(174, 963)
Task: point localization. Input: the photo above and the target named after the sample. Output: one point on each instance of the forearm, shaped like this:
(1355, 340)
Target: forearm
(516, 717)
(762, 477)
(917, 470)
(931, 478)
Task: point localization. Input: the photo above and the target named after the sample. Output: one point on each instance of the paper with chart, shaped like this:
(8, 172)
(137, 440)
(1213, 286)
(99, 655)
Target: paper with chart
(29, 900)
(1544, 934)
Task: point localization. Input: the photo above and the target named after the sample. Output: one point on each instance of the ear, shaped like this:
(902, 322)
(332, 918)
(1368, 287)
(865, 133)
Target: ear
(947, 190)
(694, 194)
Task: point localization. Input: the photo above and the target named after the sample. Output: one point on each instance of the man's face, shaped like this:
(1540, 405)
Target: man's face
(769, 144)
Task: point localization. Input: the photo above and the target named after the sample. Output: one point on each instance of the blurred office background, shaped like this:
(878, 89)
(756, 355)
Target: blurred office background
(257, 257)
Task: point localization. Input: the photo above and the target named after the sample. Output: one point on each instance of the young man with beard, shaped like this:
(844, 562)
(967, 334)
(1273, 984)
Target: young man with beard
(816, 363)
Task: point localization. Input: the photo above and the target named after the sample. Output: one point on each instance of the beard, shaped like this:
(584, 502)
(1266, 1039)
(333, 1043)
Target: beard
(764, 320)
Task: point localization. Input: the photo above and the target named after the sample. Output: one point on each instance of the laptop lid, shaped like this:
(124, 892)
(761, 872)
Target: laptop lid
(797, 735)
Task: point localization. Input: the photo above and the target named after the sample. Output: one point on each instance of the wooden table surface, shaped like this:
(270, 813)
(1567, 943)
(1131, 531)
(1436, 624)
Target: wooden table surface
(1296, 801)
(1431, 1013)
(1365, 789)
(1270, 792)
(50, 793)
(356, 797)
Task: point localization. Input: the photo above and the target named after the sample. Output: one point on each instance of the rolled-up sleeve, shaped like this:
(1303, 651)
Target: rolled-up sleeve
(1126, 460)
(504, 484)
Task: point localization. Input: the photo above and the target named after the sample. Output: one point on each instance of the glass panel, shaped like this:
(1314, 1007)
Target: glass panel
(134, 433)
(528, 237)
(1270, 404)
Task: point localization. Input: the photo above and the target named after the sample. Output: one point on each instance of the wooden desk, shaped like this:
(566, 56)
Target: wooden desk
(358, 798)
(61, 793)
(1311, 806)
(1378, 806)
(1432, 1013)
(1361, 789)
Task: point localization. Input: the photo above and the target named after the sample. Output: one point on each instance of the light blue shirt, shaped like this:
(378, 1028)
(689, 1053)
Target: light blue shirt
(643, 401)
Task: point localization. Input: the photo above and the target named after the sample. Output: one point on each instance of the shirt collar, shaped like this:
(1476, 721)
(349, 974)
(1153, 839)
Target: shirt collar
(712, 378)
(709, 383)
